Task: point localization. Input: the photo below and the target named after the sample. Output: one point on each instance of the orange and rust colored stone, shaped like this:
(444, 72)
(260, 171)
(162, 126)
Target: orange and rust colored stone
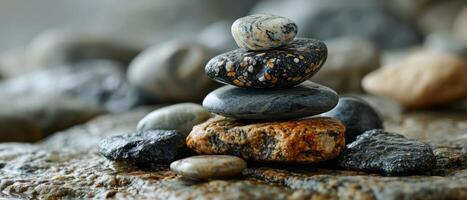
(296, 141)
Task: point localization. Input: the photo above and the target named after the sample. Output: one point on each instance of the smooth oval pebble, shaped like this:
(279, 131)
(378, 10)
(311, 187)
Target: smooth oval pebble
(285, 66)
(181, 117)
(208, 166)
(306, 99)
(263, 32)
(357, 116)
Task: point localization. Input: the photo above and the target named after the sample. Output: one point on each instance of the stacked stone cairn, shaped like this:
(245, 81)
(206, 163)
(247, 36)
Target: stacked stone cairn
(265, 112)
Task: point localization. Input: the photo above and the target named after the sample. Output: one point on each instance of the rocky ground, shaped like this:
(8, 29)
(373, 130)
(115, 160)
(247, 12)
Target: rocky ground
(68, 165)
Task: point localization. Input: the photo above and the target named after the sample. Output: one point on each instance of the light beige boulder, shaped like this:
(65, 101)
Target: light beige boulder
(422, 79)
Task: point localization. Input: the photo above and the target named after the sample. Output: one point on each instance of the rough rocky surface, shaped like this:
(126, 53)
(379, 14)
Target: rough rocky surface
(356, 115)
(67, 165)
(387, 153)
(306, 99)
(181, 117)
(422, 79)
(296, 141)
(263, 32)
(144, 148)
(172, 71)
(285, 66)
(208, 166)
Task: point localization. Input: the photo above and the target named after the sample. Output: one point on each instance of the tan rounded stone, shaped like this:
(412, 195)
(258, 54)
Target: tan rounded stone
(422, 79)
(208, 166)
(299, 141)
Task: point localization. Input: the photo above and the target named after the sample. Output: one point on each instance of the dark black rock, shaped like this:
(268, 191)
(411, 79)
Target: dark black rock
(146, 148)
(326, 19)
(304, 100)
(285, 66)
(390, 154)
(357, 116)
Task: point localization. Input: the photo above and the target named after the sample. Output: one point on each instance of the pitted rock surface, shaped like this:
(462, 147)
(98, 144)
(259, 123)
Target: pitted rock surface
(298, 141)
(285, 66)
(391, 154)
(68, 166)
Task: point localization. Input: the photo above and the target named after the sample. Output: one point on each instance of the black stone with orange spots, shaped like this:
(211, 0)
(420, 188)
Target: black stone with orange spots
(278, 68)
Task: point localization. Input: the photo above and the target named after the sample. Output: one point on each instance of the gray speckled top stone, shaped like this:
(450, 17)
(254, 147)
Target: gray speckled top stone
(304, 100)
(387, 153)
(208, 166)
(285, 66)
(263, 32)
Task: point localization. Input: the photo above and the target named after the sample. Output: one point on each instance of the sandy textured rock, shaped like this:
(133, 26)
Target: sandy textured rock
(422, 79)
(68, 166)
(300, 141)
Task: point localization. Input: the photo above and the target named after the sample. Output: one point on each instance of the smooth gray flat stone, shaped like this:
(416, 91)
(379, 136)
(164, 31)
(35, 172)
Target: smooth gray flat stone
(306, 99)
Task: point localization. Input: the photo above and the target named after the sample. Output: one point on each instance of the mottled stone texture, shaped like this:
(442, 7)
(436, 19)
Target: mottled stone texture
(263, 32)
(286, 66)
(391, 154)
(68, 166)
(306, 99)
(298, 141)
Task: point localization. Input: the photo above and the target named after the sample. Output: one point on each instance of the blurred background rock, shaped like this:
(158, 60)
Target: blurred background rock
(113, 56)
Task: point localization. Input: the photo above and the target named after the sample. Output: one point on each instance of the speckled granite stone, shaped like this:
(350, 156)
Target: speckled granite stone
(296, 141)
(286, 66)
(306, 99)
(387, 153)
(208, 166)
(263, 32)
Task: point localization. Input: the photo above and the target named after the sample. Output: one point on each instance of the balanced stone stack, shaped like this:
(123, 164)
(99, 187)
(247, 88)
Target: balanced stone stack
(265, 111)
